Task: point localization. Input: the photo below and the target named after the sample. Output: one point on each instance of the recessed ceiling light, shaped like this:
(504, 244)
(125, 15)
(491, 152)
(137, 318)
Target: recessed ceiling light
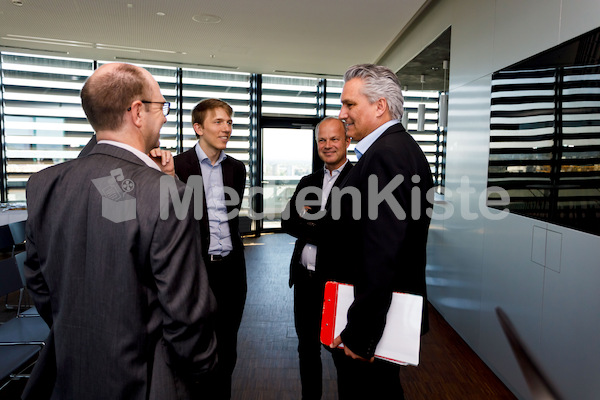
(207, 18)
(161, 14)
(18, 3)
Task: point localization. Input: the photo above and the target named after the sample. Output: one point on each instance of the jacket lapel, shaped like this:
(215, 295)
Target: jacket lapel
(339, 181)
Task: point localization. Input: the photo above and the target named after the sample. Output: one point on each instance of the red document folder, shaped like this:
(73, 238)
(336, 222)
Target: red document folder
(401, 338)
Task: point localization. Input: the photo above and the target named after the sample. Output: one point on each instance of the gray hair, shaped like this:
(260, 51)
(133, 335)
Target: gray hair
(327, 119)
(379, 81)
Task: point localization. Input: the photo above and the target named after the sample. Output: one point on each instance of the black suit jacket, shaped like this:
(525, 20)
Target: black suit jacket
(128, 303)
(89, 146)
(234, 176)
(311, 231)
(385, 253)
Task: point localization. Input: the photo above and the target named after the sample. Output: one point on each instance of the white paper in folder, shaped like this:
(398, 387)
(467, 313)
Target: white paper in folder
(401, 338)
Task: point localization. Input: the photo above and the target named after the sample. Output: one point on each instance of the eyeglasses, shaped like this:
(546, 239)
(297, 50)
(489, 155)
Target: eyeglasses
(166, 106)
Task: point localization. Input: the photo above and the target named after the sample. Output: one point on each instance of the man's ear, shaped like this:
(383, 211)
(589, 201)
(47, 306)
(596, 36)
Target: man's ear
(198, 129)
(135, 113)
(382, 106)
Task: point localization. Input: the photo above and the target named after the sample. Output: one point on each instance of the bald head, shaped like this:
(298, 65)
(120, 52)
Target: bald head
(110, 90)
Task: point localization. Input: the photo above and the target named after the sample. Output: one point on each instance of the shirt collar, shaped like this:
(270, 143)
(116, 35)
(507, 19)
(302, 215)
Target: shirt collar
(202, 155)
(362, 146)
(335, 171)
(139, 154)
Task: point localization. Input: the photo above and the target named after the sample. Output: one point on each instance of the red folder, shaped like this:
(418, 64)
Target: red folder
(401, 338)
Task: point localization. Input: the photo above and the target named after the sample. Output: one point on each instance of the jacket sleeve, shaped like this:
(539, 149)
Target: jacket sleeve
(307, 226)
(184, 293)
(382, 240)
(36, 284)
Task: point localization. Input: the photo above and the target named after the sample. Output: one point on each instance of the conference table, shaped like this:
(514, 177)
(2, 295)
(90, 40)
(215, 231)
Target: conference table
(12, 212)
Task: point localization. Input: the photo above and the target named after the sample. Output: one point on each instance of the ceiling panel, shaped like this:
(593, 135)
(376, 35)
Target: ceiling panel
(264, 36)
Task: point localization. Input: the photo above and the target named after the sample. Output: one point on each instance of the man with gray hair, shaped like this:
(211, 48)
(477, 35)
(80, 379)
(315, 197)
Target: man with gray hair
(389, 238)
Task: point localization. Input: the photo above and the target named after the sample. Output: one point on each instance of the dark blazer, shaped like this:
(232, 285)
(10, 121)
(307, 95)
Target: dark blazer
(234, 176)
(386, 253)
(88, 147)
(311, 231)
(130, 311)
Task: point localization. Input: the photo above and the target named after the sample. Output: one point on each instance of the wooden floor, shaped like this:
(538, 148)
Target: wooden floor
(267, 366)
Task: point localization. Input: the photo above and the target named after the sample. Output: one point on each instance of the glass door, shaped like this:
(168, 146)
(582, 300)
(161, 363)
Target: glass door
(287, 157)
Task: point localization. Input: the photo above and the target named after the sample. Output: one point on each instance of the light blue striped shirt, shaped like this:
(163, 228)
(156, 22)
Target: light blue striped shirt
(218, 225)
(362, 146)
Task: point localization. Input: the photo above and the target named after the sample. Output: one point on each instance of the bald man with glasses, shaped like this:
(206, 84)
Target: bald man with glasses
(123, 289)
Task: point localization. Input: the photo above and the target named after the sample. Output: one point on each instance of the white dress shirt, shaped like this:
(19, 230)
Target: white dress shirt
(309, 252)
(136, 152)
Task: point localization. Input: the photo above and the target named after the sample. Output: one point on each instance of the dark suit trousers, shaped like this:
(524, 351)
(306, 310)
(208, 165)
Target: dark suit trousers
(308, 305)
(227, 280)
(363, 380)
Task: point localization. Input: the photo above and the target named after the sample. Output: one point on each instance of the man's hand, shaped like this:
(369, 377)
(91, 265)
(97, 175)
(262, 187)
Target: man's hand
(305, 210)
(164, 160)
(338, 340)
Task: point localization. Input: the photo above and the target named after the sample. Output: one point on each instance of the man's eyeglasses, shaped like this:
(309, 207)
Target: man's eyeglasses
(166, 106)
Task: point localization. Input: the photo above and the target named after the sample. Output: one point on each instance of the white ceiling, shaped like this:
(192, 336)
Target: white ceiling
(321, 37)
